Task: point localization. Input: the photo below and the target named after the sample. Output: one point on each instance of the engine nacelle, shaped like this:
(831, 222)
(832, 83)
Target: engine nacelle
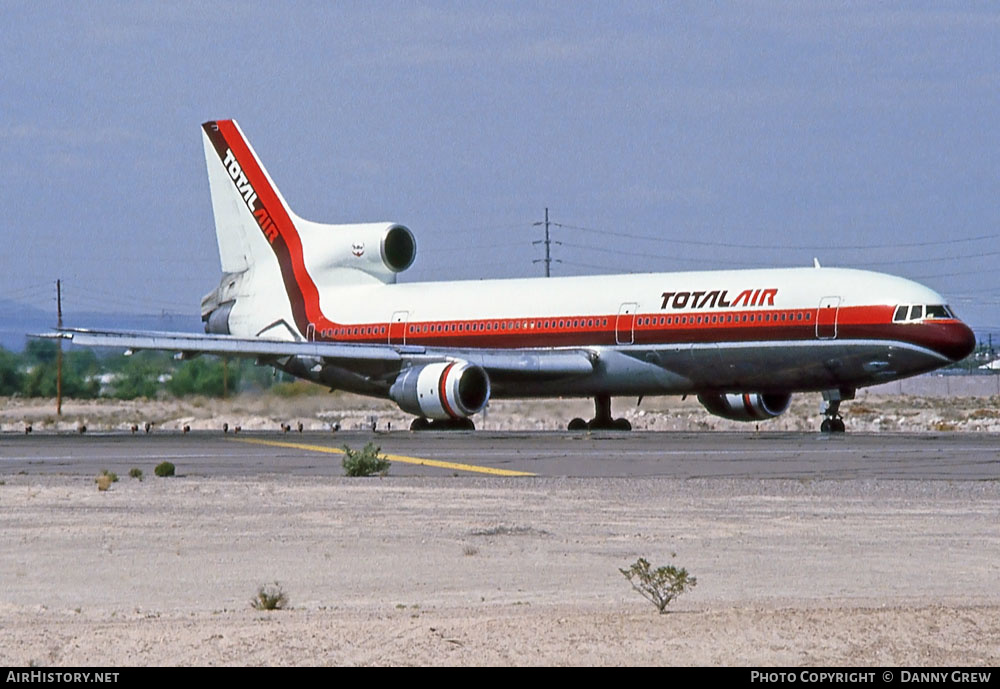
(379, 249)
(748, 406)
(442, 390)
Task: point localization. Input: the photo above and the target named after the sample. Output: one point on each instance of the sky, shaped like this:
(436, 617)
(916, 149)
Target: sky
(661, 136)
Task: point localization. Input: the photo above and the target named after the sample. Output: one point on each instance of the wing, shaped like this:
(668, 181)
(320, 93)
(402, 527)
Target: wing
(503, 364)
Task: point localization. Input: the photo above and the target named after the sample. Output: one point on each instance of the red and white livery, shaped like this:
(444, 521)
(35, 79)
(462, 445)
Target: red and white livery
(322, 302)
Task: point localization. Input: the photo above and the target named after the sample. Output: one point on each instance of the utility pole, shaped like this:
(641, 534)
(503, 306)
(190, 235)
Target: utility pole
(59, 349)
(547, 242)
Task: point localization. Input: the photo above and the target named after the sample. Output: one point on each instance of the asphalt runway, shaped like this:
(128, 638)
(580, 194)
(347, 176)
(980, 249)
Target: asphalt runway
(940, 456)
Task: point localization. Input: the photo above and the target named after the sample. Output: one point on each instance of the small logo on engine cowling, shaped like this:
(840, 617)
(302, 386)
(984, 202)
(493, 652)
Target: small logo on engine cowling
(358, 249)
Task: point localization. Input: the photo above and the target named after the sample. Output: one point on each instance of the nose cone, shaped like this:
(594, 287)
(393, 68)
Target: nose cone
(954, 340)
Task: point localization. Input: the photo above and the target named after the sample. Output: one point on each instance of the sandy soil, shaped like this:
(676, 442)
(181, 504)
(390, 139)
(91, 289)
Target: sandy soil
(317, 409)
(470, 571)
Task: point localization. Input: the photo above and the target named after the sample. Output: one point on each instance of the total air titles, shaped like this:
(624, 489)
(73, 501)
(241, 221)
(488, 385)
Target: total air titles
(246, 190)
(718, 298)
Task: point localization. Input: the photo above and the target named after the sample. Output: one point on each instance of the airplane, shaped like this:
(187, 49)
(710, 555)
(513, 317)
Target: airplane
(322, 302)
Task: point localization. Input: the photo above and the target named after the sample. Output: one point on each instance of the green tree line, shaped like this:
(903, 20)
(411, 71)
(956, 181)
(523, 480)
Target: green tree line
(86, 375)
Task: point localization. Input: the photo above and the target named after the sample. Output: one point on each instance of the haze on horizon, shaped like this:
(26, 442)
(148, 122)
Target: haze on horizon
(687, 136)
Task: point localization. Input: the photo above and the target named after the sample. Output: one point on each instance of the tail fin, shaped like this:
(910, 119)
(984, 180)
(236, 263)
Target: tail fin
(274, 263)
(245, 200)
(258, 241)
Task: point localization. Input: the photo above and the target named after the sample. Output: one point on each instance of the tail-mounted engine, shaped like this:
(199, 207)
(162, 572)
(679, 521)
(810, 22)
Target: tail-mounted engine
(443, 390)
(378, 249)
(749, 406)
(217, 305)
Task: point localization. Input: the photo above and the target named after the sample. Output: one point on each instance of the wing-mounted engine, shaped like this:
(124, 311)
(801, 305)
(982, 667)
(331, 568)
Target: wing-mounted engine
(380, 250)
(749, 406)
(442, 390)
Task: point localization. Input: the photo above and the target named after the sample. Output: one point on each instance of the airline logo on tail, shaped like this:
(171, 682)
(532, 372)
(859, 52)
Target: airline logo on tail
(243, 185)
(245, 189)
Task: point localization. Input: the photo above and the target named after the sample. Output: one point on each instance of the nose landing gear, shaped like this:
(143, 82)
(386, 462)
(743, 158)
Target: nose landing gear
(834, 422)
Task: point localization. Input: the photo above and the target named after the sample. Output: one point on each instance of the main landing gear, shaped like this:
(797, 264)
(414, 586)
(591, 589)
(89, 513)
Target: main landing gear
(834, 422)
(422, 424)
(602, 420)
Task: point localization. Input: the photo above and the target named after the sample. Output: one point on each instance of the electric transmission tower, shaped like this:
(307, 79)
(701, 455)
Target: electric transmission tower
(548, 242)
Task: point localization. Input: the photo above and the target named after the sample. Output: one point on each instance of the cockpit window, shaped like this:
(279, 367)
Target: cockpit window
(919, 312)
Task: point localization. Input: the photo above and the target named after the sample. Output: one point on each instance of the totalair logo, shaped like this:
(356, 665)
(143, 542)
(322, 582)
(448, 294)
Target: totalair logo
(245, 189)
(358, 249)
(243, 185)
(718, 298)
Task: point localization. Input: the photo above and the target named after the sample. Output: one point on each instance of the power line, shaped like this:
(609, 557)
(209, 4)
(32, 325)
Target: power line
(772, 247)
(646, 254)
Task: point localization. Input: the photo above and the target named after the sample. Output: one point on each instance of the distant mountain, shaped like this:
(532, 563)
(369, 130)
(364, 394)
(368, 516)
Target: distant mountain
(17, 319)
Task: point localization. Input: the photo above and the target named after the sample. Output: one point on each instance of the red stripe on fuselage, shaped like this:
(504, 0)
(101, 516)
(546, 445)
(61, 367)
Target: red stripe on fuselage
(946, 336)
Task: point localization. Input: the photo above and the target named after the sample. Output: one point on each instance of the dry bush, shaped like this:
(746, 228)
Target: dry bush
(658, 586)
(269, 597)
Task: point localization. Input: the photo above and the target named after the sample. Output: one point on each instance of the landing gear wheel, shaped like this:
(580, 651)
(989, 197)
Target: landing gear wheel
(832, 425)
(465, 424)
(462, 424)
(834, 422)
(602, 420)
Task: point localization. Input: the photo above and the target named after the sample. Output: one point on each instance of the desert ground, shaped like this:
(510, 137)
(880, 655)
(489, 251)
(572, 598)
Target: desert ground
(492, 571)
(925, 404)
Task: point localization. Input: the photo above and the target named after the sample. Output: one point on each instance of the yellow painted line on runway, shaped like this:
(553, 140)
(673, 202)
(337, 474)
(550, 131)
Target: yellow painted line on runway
(454, 466)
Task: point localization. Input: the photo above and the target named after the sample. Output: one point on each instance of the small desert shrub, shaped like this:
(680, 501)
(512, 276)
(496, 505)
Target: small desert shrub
(365, 462)
(984, 414)
(111, 477)
(135, 472)
(103, 482)
(658, 586)
(164, 469)
(269, 597)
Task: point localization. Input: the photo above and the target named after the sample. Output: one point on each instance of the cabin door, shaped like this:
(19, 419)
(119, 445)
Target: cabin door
(397, 327)
(625, 325)
(826, 318)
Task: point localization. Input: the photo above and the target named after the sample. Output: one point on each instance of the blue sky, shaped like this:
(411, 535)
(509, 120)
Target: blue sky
(669, 136)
